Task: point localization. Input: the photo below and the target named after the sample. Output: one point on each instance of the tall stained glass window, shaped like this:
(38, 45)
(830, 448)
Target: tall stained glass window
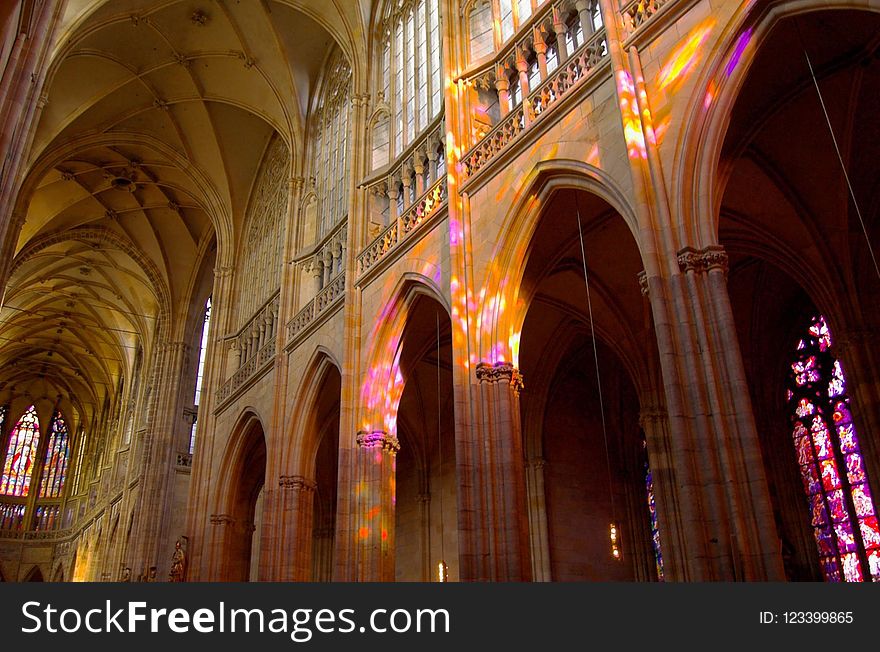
(200, 375)
(655, 527)
(55, 466)
(843, 514)
(21, 453)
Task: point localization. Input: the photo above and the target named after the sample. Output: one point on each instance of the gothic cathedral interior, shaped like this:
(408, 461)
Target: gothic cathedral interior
(439, 290)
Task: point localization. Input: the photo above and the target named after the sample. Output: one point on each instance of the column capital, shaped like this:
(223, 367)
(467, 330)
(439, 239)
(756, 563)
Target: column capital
(221, 519)
(651, 414)
(296, 483)
(223, 271)
(488, 372)
(643, 282)
(712, 258)
(378, 439)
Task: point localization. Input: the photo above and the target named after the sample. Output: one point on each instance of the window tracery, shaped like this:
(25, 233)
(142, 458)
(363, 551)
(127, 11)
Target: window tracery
(843, 514)
(21, 453)
(55, 464)
(410, 71)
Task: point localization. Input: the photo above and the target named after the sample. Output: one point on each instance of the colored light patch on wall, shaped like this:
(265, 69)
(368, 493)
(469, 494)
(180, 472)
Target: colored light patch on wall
(684, 59)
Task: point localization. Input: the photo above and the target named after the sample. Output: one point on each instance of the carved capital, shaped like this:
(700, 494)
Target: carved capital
(643, 282)
(221, 519)
(500, 372)
(378, 439)
(296, 483)
(710, 259)
(651, 415)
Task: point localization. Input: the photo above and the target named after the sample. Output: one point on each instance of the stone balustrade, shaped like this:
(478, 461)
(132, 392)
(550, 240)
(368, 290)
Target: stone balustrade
(427, 206)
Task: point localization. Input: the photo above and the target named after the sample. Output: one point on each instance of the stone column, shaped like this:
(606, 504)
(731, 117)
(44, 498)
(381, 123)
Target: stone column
(585, 15)
(502, 85)
(294, 533)
(561, 30)
(494, 536)
(406, 179)
(419, 168)
(727, 529)
(539, 535)
(393, 196)
(318, 273)
(373, 503)
(522, 67)
(541, 52)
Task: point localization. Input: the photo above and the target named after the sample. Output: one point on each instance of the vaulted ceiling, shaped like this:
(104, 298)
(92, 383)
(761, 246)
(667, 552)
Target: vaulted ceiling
(157, 115)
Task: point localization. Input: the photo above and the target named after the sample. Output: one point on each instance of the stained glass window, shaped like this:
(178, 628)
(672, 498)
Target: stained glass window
(55, 466)
(200, 375)
(655, 527)
(20, 455)
(842, 511)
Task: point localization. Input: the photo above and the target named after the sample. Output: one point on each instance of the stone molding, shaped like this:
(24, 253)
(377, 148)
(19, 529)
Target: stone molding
(712, 258)
(378, 439)
(296, 482)
(488, 372)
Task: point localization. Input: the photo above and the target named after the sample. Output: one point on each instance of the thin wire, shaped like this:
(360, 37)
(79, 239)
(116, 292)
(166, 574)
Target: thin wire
(440, 448)
(596, 359)
(852, 193)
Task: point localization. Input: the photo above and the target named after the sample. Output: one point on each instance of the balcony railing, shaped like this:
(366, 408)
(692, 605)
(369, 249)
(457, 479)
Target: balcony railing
(570, 75)
(255, 344)
(427, 206)
(315, 309)
(638, 13)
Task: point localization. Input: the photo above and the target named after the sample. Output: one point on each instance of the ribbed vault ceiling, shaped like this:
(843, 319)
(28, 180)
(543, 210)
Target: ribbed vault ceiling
(158, 114)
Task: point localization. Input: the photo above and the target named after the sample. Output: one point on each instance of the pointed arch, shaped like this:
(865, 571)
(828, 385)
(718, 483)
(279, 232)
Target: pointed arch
(502, 308)
(383, 385)
(697, 188)
(303, 436)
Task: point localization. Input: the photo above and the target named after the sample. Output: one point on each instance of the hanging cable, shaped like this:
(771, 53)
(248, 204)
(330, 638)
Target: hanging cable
(613, 530)
(442, 568)
(852, 193)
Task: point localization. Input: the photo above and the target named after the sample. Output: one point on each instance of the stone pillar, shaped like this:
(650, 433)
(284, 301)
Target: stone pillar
(727, 528)
(494, 536)
(502, 85)
(419, 169)
(221, 535)
(328, 266)
(393, 196)
(373, 502)
(406, 179)
(538, 532)
(540, 52)
(424, 499)
(318, 273)
(522, 67)
(561, 29)
(584, 10)
(294, 534)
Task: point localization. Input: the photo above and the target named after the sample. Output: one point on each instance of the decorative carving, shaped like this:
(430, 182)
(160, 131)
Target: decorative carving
(500, 372)
(643, 282)
(221, 519)
(296, 483)
(267, 210)
(199, 18)
(178, 561)
(712, 258)
(378, 439)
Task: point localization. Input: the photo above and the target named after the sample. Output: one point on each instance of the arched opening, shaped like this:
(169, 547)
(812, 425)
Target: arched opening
(242, 544)
(797, 252)
(426, 510)
(585, 478)
(326, 426)
(34, 575)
